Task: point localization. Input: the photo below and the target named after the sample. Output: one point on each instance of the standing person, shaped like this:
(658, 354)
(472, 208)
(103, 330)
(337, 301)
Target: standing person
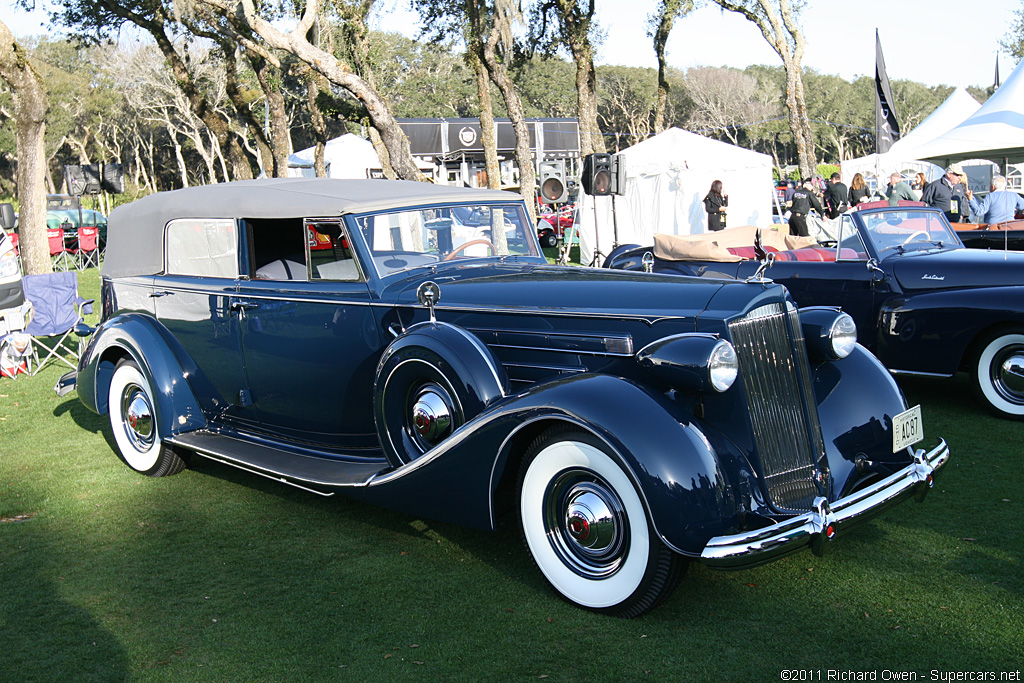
(790, 189)
(939, 193)
(715, 203)
(999, 206)
(859, 190)
(918, 185)
(960, 200)
(837, 197)
(804, 199)
(898, 189)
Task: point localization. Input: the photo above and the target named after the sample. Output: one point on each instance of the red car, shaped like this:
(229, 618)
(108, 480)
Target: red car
(552, 226)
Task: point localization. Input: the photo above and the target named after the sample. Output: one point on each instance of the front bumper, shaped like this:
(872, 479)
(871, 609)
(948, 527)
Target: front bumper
(67, 383)
(752, 548)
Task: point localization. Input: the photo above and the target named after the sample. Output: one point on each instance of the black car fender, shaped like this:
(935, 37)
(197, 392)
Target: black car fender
(674, 468)
(139, 337)
(933, 331)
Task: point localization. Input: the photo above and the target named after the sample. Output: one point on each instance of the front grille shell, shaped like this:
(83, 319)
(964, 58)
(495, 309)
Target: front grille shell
(775, 375)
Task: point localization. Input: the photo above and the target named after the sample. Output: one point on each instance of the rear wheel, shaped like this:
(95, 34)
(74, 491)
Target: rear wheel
(548, 240)
(587, 529)
(133, 420)
(998, 373)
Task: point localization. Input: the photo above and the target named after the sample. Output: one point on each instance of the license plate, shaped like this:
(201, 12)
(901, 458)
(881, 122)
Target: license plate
(907, 429)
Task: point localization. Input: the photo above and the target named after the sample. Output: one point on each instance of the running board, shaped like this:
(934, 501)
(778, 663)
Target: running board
(307, 472)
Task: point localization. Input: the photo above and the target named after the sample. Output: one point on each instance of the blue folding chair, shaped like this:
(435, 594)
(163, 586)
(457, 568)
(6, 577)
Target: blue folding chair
(57, 309)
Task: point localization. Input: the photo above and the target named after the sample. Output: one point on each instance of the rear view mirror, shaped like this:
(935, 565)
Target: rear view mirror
(6, 216)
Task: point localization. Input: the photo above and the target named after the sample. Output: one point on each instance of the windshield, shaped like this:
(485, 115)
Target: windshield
(901, 231)
(399, 240)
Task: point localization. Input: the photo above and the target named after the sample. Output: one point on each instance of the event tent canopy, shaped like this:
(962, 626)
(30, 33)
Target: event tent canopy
(954, 110)
(994, 132)
(348, 156)
(667, 178)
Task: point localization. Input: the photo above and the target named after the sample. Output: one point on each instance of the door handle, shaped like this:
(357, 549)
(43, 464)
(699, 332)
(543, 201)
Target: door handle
(243, 305)
(157, 295)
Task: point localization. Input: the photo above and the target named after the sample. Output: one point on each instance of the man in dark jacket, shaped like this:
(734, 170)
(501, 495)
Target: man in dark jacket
(940, 193)
(803, 200)
(837, 197)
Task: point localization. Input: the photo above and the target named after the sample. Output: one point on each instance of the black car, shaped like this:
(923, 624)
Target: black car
(398, 342)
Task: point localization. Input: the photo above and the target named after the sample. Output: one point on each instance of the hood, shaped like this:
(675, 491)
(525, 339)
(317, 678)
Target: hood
(958, 268)
(556, 290)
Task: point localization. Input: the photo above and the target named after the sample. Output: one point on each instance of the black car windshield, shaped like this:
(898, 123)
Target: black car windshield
(400, 240)
(900, 231)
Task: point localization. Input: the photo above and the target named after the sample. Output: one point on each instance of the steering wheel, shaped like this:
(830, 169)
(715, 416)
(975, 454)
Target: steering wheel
(470, 243)
(914, 234)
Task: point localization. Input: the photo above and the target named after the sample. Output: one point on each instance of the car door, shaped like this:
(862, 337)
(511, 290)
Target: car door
(847, 282)
(193, 300)
(308, 334)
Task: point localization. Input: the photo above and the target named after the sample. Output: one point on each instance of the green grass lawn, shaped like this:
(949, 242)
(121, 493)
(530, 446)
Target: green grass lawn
(218, 575)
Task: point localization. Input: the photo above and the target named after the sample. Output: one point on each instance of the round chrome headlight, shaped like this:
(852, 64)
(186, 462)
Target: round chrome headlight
(843, 335)
(723, 366)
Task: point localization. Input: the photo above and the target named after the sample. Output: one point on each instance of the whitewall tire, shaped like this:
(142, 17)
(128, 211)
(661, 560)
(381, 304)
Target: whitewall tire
(587, 529)
(132, 412)
(998, 373)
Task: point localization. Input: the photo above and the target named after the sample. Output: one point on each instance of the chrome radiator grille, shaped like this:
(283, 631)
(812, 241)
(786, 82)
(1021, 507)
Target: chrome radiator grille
(776, 376)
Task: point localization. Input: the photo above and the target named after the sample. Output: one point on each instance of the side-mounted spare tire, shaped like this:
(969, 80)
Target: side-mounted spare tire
(431, 381)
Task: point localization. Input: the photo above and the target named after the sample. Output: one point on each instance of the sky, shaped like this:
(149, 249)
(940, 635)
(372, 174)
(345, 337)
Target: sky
(935, 42)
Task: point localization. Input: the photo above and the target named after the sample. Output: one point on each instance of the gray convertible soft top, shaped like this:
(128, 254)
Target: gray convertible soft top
(135, 231)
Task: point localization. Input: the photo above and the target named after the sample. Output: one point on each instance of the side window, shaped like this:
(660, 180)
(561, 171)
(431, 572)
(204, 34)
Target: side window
(850, 245)
(277, 249)
(330, 254)
(207, 248)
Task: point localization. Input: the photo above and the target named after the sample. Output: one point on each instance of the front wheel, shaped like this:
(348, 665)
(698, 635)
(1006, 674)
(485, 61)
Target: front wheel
(133, 420)
(998, 373)
(587, 529)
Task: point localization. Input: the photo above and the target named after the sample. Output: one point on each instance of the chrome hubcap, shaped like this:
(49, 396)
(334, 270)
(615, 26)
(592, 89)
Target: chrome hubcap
(431, 415)
(137, 415)
(586, 524)
(1010, 376)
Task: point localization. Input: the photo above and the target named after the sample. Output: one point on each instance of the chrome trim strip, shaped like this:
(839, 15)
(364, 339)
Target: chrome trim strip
(226, 461)
(915, 373)
(508, 339)
(763, 545)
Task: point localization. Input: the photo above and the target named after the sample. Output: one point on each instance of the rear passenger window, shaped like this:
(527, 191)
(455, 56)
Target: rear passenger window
(205, 248)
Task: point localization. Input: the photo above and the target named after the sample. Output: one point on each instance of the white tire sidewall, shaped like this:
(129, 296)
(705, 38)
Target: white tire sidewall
(138, 460)
(592, 593)
(983, 371)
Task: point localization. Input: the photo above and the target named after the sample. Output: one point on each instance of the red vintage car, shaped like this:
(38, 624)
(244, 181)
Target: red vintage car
(552, 226)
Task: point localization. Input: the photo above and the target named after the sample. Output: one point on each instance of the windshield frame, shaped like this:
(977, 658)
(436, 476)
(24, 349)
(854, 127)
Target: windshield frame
(907, 229)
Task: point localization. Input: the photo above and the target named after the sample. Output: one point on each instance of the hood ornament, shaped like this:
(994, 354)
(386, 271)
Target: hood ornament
(766, 258)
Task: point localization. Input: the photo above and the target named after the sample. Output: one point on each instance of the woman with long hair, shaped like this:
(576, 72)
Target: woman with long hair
(918, 187)
(715, 203)
(859, 191)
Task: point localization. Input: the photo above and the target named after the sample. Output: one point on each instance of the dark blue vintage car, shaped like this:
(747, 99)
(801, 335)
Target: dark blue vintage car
(923, 303)
(398, 342)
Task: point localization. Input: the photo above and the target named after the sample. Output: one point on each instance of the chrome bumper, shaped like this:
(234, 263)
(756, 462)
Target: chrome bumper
(66, 384)
(812, 528)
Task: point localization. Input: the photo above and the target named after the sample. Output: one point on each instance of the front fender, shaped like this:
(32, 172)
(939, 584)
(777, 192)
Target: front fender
(932, 331)
(854, 428)
(139, 337)
(672, 465)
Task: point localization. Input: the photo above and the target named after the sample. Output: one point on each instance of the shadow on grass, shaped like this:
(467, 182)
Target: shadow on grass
(77, 646)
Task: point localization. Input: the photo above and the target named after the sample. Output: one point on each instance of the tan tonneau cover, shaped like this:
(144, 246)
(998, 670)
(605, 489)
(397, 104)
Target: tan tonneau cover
(714, 246)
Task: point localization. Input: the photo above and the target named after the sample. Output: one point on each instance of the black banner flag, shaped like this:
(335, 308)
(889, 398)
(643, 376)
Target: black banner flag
(887, 128)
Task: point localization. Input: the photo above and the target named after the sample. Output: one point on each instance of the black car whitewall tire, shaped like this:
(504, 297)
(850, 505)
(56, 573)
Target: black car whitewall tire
(587, 529)
(997, 373)
(132, 412)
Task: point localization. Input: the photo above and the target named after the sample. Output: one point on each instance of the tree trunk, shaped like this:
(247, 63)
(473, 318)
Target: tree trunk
(591, 139)
(391, 134)
(488, 134)
(280, 133)
(30, 116)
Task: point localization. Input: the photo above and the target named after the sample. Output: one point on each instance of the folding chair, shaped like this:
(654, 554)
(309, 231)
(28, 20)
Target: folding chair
(58, 308)
(60, 256)
(88, 251)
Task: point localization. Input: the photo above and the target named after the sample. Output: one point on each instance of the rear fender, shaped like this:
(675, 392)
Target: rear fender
(139, 337)
(673, 467)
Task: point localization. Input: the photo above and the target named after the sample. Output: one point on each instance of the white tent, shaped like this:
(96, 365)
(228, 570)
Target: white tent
(900, 157)
(994, 132)
(348, 156)
(667, 178)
